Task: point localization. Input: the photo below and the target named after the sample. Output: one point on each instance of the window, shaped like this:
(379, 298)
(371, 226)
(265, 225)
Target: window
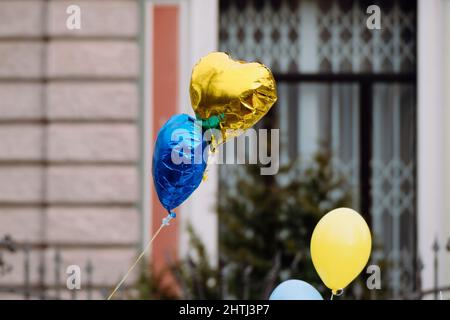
(353, 89)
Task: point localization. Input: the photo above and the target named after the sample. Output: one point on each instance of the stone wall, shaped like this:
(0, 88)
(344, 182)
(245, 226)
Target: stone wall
(69, 138)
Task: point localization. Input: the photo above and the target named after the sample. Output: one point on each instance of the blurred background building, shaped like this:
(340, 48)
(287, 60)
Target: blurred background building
(69, 147)
(80, 110)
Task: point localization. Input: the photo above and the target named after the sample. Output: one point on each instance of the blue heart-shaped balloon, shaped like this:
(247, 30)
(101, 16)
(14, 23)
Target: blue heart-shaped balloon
(179, 160)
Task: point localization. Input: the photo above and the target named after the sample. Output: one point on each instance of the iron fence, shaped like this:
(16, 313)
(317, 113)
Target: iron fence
(41, 288)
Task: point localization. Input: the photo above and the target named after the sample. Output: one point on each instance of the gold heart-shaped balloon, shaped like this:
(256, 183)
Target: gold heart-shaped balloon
(237, 93)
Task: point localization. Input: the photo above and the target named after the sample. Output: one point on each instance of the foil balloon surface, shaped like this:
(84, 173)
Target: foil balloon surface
(178, 160)
(237, 94)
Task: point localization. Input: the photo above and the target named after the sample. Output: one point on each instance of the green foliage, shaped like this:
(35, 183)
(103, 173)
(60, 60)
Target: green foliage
(265, 225)
(198, 278)
(149, 285)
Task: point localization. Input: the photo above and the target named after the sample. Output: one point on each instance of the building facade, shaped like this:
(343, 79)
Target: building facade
(80, 111)
(69, 144)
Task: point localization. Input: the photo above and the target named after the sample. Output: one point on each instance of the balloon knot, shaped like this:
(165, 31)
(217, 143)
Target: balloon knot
(166, 220)
(337, 292)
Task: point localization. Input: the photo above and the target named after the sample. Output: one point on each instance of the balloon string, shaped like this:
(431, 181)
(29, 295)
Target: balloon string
(331, 295)
(165, 222)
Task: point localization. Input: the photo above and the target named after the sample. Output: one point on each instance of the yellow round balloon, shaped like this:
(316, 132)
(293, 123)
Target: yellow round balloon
(237, 93)
(340, 247)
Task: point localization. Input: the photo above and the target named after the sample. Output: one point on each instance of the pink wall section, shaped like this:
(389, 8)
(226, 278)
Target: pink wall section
(165, 101)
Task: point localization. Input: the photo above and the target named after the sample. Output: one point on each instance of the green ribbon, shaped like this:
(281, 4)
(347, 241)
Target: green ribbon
(212, 122)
